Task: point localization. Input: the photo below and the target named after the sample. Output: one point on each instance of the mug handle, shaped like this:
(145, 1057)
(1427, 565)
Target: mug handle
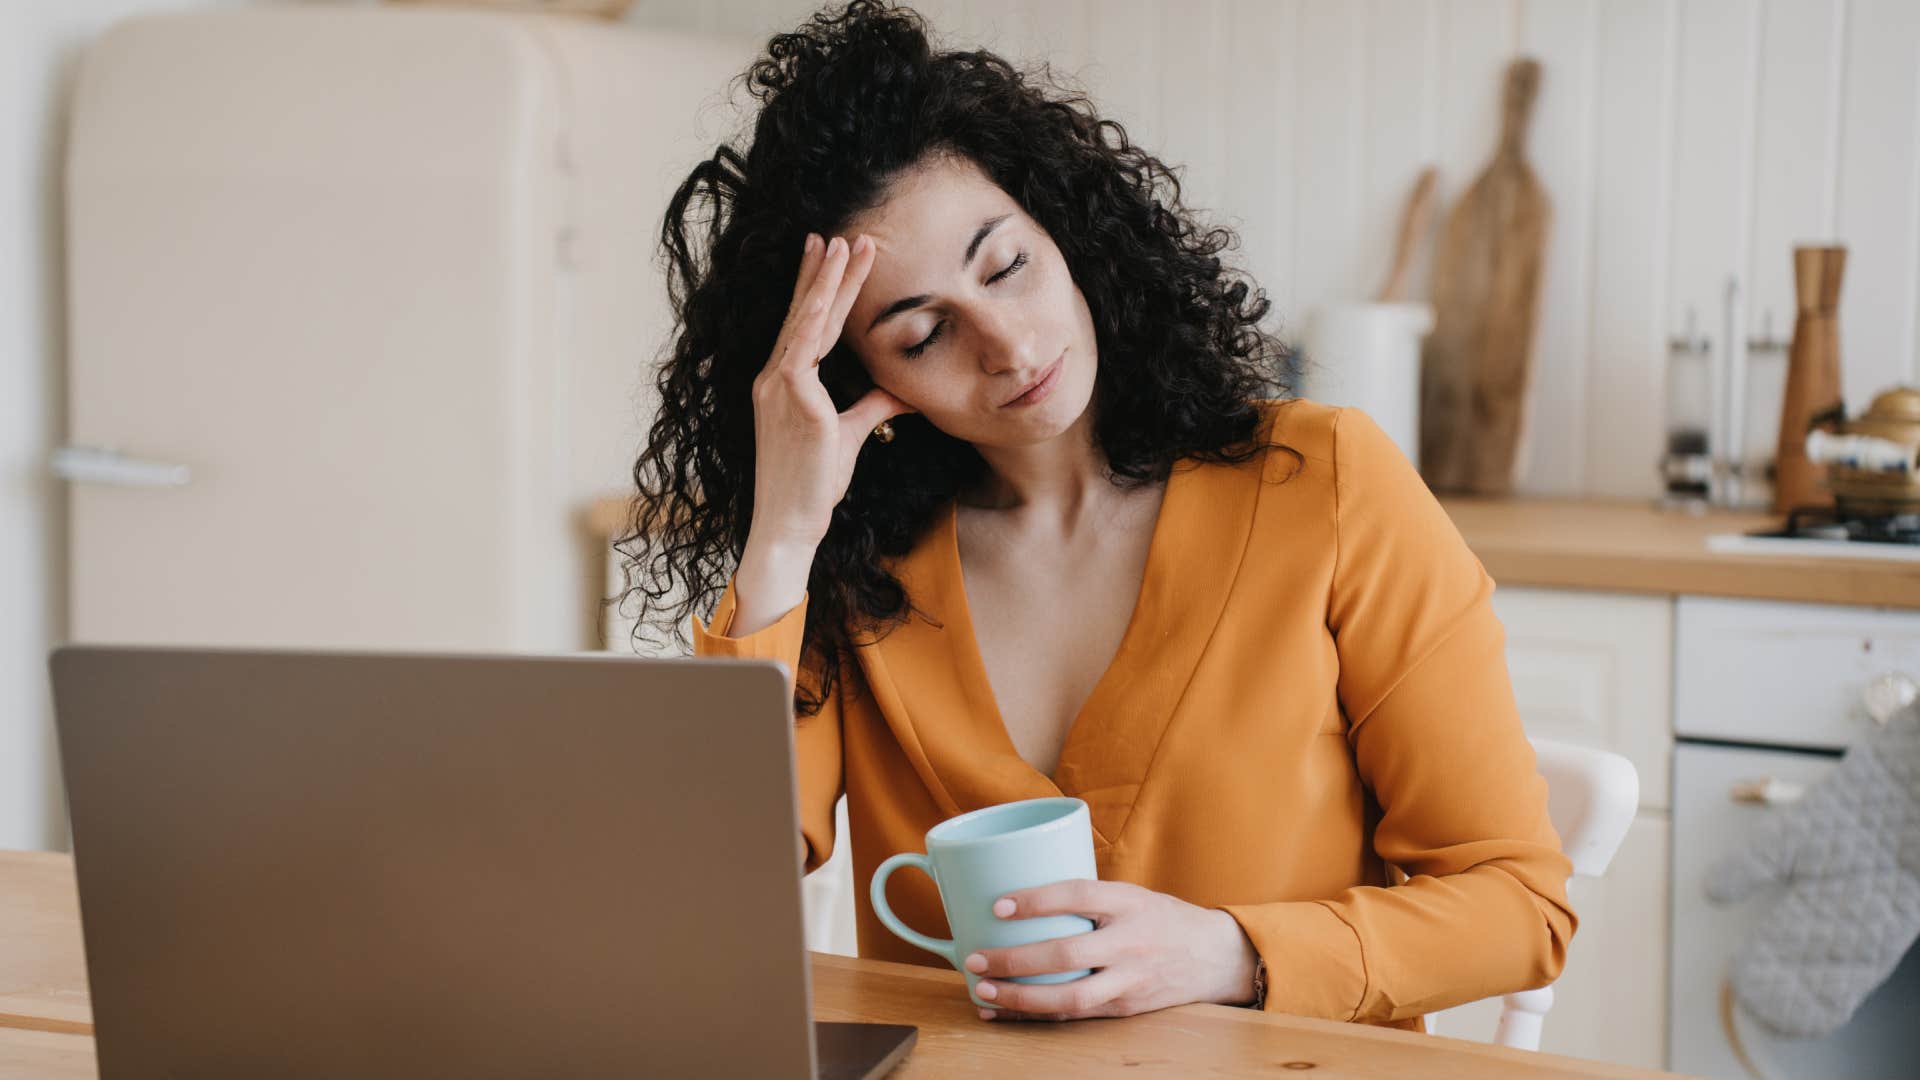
(940, 947)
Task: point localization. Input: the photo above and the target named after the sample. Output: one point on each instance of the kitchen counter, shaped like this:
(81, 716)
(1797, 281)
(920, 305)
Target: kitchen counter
(1635, 546)
(1618, 546)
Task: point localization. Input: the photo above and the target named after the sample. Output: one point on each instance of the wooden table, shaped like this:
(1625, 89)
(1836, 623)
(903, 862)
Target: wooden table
(46, 1023)
(45, 1026)
(43, 973)
(1192, 1040)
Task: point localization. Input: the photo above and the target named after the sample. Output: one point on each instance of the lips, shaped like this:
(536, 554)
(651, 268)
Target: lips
(1039, 387)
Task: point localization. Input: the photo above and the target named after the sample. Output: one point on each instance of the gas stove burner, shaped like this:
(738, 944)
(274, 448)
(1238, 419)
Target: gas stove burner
(1826, 523)
(1826, 532)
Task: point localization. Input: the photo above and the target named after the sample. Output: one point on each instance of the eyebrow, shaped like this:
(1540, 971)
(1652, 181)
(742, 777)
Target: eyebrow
(973, 247)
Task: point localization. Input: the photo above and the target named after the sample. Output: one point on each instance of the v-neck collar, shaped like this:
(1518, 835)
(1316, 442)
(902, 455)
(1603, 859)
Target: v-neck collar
(931, 682)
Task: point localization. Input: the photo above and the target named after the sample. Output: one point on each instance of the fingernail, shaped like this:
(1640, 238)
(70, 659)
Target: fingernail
(1003, 907)
(864, 244)
(813, 243)
(977, 964)
(839, 242)
(986, 989)
(986, 1014)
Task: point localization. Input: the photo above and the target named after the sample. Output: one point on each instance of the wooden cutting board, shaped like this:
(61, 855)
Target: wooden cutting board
(1486, 281)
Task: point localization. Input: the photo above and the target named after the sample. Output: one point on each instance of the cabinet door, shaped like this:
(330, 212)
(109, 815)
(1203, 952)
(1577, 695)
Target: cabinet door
(1610, 1003)
(1595, 669)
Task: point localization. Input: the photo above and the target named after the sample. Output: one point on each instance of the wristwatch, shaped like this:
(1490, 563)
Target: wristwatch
(1259, 984)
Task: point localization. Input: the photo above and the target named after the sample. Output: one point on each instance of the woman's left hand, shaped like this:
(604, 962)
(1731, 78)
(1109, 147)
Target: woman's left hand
(1147, 950)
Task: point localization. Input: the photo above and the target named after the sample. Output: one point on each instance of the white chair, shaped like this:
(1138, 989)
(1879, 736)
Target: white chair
(1591, 798)
(828, 894)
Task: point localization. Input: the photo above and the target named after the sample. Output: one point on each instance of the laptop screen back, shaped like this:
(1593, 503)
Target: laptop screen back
(334, 864)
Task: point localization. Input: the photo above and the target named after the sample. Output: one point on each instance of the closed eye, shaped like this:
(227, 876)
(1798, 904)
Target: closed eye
(914, 351)
(1012, 268)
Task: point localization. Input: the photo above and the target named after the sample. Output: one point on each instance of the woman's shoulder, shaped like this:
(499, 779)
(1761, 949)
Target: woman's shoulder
(1319, 453)
(1348, 472)
(1343, 437)
(1299, 437)
(1299, 422)
(1291, 449)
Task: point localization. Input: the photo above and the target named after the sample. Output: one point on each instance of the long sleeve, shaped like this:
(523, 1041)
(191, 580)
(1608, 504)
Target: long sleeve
(816, 738)
(1436, 737)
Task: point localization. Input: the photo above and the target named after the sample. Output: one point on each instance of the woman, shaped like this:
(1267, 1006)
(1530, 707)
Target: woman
(971, 413)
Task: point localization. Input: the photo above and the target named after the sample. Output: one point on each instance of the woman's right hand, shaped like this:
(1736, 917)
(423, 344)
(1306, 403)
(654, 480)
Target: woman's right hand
(804, 449)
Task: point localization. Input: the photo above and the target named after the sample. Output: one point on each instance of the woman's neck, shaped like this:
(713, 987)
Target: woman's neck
(1061, 479)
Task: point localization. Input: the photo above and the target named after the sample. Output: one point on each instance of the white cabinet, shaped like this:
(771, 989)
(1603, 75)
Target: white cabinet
(1611, 1002)
(1596, 669)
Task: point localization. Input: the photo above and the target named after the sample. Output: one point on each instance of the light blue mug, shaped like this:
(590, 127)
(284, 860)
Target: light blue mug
(978, 857)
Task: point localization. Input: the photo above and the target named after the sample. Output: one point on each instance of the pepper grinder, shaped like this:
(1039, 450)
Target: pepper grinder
(1813, 376)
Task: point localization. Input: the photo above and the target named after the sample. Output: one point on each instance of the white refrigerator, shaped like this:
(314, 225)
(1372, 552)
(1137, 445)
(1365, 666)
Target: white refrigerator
(363, 306)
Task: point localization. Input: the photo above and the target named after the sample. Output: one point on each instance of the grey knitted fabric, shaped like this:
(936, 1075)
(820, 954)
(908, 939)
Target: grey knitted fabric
(1848, 855)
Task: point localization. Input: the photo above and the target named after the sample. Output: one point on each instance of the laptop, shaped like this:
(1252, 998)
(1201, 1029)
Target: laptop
(384, 865)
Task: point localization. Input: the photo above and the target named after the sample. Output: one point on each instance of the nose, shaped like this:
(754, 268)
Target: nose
(1004, 342)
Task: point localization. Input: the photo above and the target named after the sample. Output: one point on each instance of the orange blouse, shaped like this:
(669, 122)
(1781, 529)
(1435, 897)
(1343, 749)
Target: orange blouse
(1308, 724)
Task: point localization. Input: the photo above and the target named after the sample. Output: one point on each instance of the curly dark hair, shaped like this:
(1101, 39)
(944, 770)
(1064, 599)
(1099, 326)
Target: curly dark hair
(849, 102)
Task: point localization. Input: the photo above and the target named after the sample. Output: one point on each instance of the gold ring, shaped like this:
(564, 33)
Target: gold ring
(884, 431)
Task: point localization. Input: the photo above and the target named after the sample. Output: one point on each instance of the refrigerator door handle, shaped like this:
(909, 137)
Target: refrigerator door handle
(105, 465)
